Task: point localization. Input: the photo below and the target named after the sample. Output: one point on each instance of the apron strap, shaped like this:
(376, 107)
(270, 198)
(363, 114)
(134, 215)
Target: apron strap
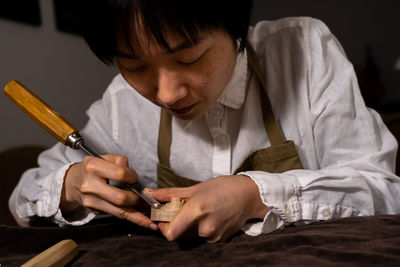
(271, 125)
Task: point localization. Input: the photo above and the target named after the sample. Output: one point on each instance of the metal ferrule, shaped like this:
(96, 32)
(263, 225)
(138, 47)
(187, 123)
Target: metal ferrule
(73, 140)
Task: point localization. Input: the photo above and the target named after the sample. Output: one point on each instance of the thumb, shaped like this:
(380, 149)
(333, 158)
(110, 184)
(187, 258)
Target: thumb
(165, 194)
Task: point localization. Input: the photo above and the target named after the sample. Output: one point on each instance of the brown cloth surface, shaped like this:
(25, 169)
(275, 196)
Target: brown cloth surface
(355, 241)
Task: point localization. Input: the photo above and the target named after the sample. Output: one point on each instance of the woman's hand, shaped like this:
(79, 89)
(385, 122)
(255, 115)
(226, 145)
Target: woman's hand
(218, 208)
(85, 184)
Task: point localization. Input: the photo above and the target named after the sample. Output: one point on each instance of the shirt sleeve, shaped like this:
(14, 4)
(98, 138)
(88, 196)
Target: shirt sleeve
(355, 151)
(39, 189)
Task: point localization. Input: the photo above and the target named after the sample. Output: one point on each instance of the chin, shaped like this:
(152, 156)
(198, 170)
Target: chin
(186, 117)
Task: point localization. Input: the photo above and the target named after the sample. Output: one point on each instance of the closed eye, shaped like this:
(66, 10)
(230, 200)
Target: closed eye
(189, 62)
(133, 69)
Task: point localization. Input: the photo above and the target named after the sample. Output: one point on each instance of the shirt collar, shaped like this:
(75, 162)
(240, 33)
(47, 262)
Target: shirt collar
(234, 94)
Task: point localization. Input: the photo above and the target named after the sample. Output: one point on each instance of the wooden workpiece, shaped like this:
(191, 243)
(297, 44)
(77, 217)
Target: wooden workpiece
(58, 255)
(168, 211)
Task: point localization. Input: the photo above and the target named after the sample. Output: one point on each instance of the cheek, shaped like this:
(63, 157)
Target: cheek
(212, 84)
(202, 84)
(140, 85)
(217, 74)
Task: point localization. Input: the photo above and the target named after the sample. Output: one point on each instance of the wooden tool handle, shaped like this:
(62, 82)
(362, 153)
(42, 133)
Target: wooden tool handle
(58, 255)
(39, 111)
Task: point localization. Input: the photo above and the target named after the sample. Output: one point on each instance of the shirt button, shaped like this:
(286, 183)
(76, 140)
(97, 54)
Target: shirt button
(217, 111)
(326, 213)
(222, 140)
(288, 213)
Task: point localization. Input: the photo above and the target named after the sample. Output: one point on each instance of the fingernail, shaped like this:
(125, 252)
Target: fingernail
(153, 227)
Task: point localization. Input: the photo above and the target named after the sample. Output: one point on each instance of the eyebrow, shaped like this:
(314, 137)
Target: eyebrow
(181, 46)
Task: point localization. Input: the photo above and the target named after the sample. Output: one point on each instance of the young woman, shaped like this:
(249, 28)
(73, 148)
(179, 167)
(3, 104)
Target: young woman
(256, 128)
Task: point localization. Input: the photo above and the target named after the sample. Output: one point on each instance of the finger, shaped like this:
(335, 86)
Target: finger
(183, 221)
(109, 170)
(125, 213)
(222, 236)
(109, 193)
(211, 236)
(213, 239)
(120, 160)
(97, 212)
(165, 194)
(163, 226)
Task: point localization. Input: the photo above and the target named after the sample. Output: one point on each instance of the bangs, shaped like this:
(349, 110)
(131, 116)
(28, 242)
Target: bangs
(107, 22)
(157, 20)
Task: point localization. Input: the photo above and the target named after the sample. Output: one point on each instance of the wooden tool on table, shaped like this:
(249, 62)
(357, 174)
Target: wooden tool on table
(58, 127)
(58, 255)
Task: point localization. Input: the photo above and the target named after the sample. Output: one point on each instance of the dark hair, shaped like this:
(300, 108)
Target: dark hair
(105, 20)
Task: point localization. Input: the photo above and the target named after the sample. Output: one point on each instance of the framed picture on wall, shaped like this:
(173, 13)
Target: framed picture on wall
(25, 11)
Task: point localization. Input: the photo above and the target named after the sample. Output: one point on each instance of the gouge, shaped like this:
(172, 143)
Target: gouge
(58, 127)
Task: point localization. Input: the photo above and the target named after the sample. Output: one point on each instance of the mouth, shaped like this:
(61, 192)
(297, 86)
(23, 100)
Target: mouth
(182, 111)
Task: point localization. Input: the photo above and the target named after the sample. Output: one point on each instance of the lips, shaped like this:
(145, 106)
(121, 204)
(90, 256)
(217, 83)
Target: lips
(182, 111)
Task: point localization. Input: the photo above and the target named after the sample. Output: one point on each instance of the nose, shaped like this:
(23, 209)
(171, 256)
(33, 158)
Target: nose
(170, 88)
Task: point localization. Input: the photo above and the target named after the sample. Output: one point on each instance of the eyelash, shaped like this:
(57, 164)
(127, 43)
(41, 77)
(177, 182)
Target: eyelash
(191, 62)
(179, 62)
(134, 70)
(194, 61)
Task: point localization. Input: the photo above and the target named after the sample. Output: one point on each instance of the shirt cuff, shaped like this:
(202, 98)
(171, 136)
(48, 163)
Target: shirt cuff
(270, 223)
(279, 193)
(80, 216)
(49, 204)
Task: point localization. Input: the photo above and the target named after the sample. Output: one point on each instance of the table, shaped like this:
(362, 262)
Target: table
(354, 241)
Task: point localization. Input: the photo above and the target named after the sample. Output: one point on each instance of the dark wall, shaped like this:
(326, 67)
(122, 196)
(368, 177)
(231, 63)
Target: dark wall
(369, 31)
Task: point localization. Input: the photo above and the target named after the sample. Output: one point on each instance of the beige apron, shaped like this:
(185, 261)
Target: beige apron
(281, 156)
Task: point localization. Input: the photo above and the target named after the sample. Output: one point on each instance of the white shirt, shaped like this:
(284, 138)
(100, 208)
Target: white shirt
(347, 152)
